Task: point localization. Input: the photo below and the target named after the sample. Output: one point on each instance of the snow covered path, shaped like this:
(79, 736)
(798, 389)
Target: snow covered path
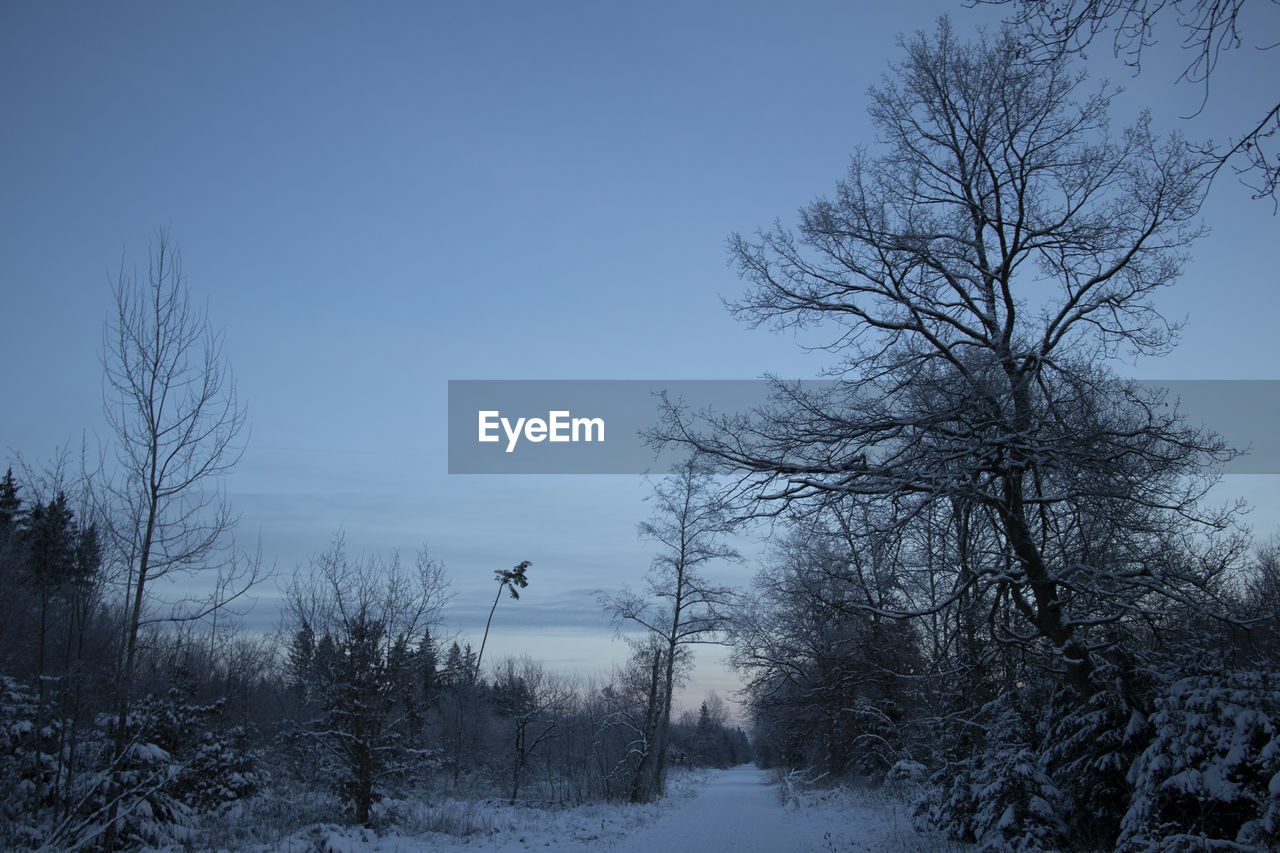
(738, 811)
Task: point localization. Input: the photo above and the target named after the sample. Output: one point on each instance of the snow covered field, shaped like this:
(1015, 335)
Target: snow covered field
(726, 810)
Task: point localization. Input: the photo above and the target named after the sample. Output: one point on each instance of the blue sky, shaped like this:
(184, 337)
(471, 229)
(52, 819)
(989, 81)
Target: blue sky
(376, 198)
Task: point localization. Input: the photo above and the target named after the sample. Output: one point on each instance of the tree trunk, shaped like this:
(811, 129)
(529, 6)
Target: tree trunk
(640, 789)
(1047, 614)
(364, 784)
(518, 764)
(124, 681)
(664, 724)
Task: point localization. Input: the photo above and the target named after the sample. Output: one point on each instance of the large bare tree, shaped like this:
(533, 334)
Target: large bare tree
(974, 274)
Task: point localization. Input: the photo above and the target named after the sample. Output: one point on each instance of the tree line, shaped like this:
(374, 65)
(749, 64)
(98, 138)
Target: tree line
(356, 702)
(137, 718)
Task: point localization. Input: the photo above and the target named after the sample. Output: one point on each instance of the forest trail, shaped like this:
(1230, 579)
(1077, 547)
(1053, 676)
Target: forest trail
(733, 811)
(739, 811)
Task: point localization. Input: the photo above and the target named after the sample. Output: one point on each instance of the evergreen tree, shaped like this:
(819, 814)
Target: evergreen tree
(363, 680)
(10, 503)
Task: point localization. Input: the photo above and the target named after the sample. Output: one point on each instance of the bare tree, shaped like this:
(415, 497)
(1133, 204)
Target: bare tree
(682, 607)
(170, 401)
(533, 701)
(641, 718)
(1209, 28)
(819, 646)
(975, 277)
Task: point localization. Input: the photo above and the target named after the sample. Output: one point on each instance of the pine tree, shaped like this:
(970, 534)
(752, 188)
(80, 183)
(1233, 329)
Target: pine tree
(10, 504)
(301, 659)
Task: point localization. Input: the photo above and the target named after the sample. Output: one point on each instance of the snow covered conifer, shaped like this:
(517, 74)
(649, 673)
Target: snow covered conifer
(1210, 778)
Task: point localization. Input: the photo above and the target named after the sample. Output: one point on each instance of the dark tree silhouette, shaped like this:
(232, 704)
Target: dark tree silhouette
(975, 275)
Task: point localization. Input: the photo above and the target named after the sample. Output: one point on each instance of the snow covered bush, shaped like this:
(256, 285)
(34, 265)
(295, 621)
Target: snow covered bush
(1210, 777)
(1001, 797)
(1088, 752)
(28, 766)
(905, 775)
(949, 802)
(1018, 806)
(221, 770)
(148, 813)
(176, 766)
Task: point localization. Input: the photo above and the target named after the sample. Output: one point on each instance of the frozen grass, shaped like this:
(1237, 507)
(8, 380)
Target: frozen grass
(459, 818)
(266, 819)
(293, 821)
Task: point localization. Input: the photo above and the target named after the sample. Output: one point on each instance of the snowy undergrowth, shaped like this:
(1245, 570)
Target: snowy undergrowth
(443, 823)
(864, 819)
(266, 819)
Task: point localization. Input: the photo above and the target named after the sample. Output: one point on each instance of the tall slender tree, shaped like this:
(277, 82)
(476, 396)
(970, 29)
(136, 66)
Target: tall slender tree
(170, 401)
(682, 606)
(512, 580)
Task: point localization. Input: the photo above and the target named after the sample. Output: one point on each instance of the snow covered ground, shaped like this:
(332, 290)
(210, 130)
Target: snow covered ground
(728, 810)
(739, 811)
